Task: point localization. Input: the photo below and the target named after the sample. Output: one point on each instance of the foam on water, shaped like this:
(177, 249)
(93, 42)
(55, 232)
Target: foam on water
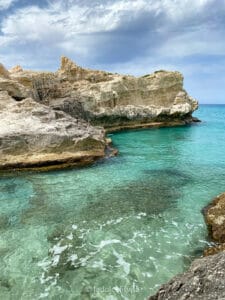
(118, 229)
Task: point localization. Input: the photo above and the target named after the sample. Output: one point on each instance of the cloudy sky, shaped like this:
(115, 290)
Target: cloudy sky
(125, 36)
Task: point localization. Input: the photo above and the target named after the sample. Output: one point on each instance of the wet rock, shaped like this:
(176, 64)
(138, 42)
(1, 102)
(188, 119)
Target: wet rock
(214, 249)
(205, 278)
(215, 218)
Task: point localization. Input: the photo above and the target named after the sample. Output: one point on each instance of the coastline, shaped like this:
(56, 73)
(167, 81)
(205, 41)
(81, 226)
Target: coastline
(60, 119)
(57, 161)
(204, 279)
(153, 125)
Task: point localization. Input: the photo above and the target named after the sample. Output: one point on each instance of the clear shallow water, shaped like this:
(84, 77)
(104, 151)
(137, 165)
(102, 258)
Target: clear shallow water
(118, 229)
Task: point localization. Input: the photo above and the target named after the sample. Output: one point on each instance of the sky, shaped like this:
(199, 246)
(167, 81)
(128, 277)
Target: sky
(134, 37)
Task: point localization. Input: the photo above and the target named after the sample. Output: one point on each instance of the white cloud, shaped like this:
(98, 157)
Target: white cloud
(126, 36)
(202, 41)
(177, 28)
(5, 4)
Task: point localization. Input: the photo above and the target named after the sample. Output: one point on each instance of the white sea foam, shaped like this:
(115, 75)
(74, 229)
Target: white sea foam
(106, 243)
(122, 262)
(99, 265)
(43, 295)
(73, 258)
(70, 236)
(57, 249)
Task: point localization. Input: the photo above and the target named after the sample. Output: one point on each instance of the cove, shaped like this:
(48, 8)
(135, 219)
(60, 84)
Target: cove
(119, 228)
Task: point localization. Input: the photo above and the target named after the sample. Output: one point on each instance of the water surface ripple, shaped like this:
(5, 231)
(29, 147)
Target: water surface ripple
(117, 229)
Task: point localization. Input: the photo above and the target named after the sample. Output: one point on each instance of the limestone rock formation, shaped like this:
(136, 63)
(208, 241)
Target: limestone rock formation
(203, 281)
(45, 116)
(214, 215)
(16, 69)
(3, 72)
(34, 135)
(112, 100)
(215, 218)
(14, 88)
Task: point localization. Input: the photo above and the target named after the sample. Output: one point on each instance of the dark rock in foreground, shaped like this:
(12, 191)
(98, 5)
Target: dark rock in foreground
(215, 218)
(205, 280)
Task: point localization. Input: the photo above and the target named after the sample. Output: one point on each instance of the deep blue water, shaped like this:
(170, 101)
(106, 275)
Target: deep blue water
(117, 229)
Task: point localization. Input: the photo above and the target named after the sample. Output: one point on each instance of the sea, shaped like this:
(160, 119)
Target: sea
(119, 228)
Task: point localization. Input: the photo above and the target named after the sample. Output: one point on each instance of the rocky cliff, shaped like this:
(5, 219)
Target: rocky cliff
(51, 117)
(111, 100)
(34, 135)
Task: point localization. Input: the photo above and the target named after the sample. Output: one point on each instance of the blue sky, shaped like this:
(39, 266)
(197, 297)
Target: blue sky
(125, 36)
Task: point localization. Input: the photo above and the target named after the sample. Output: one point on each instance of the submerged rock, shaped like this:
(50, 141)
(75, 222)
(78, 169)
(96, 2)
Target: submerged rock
(203, 281)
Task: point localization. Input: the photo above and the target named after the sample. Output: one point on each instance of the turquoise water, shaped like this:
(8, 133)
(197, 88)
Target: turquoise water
(117, 229)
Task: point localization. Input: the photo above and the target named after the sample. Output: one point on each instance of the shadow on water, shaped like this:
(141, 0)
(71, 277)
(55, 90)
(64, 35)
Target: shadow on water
(42, 208)
(173, 176)
(154, 193)
(151, 195)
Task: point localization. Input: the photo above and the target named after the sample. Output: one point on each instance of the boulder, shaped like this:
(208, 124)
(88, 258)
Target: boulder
(215, 218)
(203, 281)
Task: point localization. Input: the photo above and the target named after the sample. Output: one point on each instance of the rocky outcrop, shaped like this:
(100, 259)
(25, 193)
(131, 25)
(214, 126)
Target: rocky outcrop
(203, 281)
(3, 72)
(205, 278)
(14, 89)
(112, 100)
(45, 117)
(214, 215)
(215, 218)
(34, 135)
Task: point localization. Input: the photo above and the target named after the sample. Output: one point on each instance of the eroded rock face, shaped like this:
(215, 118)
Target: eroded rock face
(205, 278)
(203, 281)
(112, 100)
(214, 215)
(32, 134)
(45, 116)
(215, 218)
